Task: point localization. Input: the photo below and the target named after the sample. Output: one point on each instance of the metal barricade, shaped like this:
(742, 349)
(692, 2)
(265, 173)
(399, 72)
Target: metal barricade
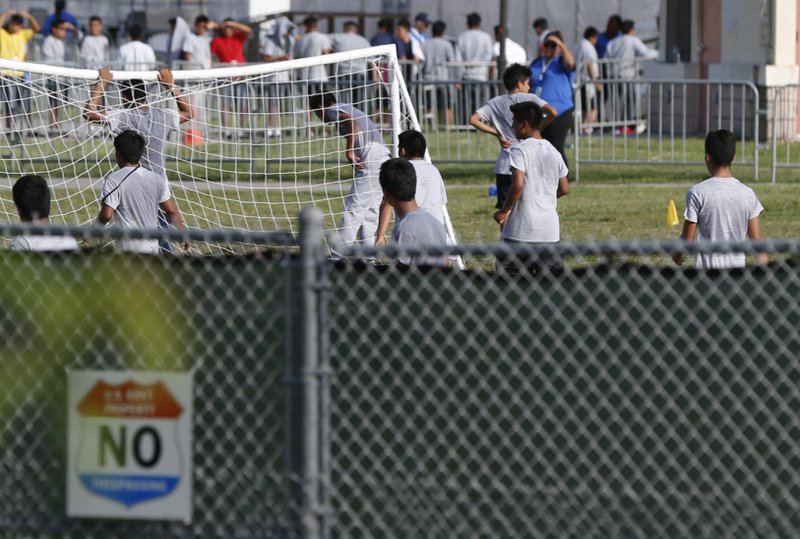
(662, 121)
(784, 128)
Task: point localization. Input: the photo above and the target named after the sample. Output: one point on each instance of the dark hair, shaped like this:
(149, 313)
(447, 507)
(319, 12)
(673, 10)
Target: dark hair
(404, 23)
(350, 24)
(95, 18)
(135, 32)
(413, 142)
(310, 21)
(556, 33)
(32, 197)
(627, 26)
(58, 21)
(318, 101)
(514, 74)
(130, 146)
(541, 22)
(614, 21)
(527, 111)
(438, 28)
(133, 91)
(721, 147)
(473, 19)
(590, 32)
(16, 18)
(398, 179)
(387, 24)
(200, 19)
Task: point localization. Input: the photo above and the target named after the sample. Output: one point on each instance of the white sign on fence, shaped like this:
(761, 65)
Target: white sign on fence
(130, 446)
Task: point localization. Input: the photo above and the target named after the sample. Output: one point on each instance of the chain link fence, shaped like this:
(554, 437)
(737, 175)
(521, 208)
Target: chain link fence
(614, 398)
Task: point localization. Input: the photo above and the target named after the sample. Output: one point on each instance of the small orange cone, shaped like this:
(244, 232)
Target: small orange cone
(193, 137)
(672, 214)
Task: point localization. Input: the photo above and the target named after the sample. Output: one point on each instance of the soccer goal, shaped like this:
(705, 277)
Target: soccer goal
(250, 158)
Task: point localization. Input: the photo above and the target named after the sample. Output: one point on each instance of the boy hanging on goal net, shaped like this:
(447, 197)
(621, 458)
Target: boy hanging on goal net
(366, 151)
(153, 123)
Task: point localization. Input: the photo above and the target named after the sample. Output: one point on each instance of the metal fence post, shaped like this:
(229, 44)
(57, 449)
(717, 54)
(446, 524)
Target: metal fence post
(303, 380)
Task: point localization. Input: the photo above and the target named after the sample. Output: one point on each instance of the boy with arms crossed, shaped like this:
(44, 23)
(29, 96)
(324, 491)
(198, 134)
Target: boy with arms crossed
(721, 208)
(414, 225)
(430, 193)
(495, 118)
(539, 178)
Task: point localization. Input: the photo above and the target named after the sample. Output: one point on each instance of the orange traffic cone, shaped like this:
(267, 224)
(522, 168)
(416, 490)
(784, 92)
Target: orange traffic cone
(193, 137)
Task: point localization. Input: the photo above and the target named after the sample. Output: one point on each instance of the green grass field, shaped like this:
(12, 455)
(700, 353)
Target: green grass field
(611, 202)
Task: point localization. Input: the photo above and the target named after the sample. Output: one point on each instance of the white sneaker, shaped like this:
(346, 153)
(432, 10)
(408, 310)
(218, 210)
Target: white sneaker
(641, 128)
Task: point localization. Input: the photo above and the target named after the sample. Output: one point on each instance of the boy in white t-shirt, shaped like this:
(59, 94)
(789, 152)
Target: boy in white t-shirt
(54, 53)
(94, 47)
(32, 199)
(430, 192)
(495, 119)
(721, 208)
(538, 179)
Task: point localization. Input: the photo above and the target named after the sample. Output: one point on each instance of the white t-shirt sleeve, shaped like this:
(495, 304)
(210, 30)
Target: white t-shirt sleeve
(485, 113)
(109, 195)
(756, 208)
(563, 171)
(536, 99)
(692, 206)
(116, 121)
(516, 158)
(164, 193)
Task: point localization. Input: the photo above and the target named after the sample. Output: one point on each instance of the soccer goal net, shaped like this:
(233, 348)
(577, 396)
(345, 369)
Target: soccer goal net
(250, 157)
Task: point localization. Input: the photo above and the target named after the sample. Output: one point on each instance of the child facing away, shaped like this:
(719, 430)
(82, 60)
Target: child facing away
(430, 193)
(721, 208)
(539, 178)
(495, 118)
(414, 225)
(132, 195)
(32, 199)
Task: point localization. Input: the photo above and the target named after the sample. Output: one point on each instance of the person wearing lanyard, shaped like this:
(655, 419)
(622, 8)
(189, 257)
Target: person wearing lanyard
(551, 79)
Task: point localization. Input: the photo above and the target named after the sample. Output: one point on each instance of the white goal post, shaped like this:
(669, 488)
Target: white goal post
(250, 158)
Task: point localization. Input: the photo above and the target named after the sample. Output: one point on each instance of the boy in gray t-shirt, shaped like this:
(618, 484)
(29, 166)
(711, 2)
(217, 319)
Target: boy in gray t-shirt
(366, 151)
(414, 225)
(721, 208)
(430, 194)
(495, 118)
(133, 194)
